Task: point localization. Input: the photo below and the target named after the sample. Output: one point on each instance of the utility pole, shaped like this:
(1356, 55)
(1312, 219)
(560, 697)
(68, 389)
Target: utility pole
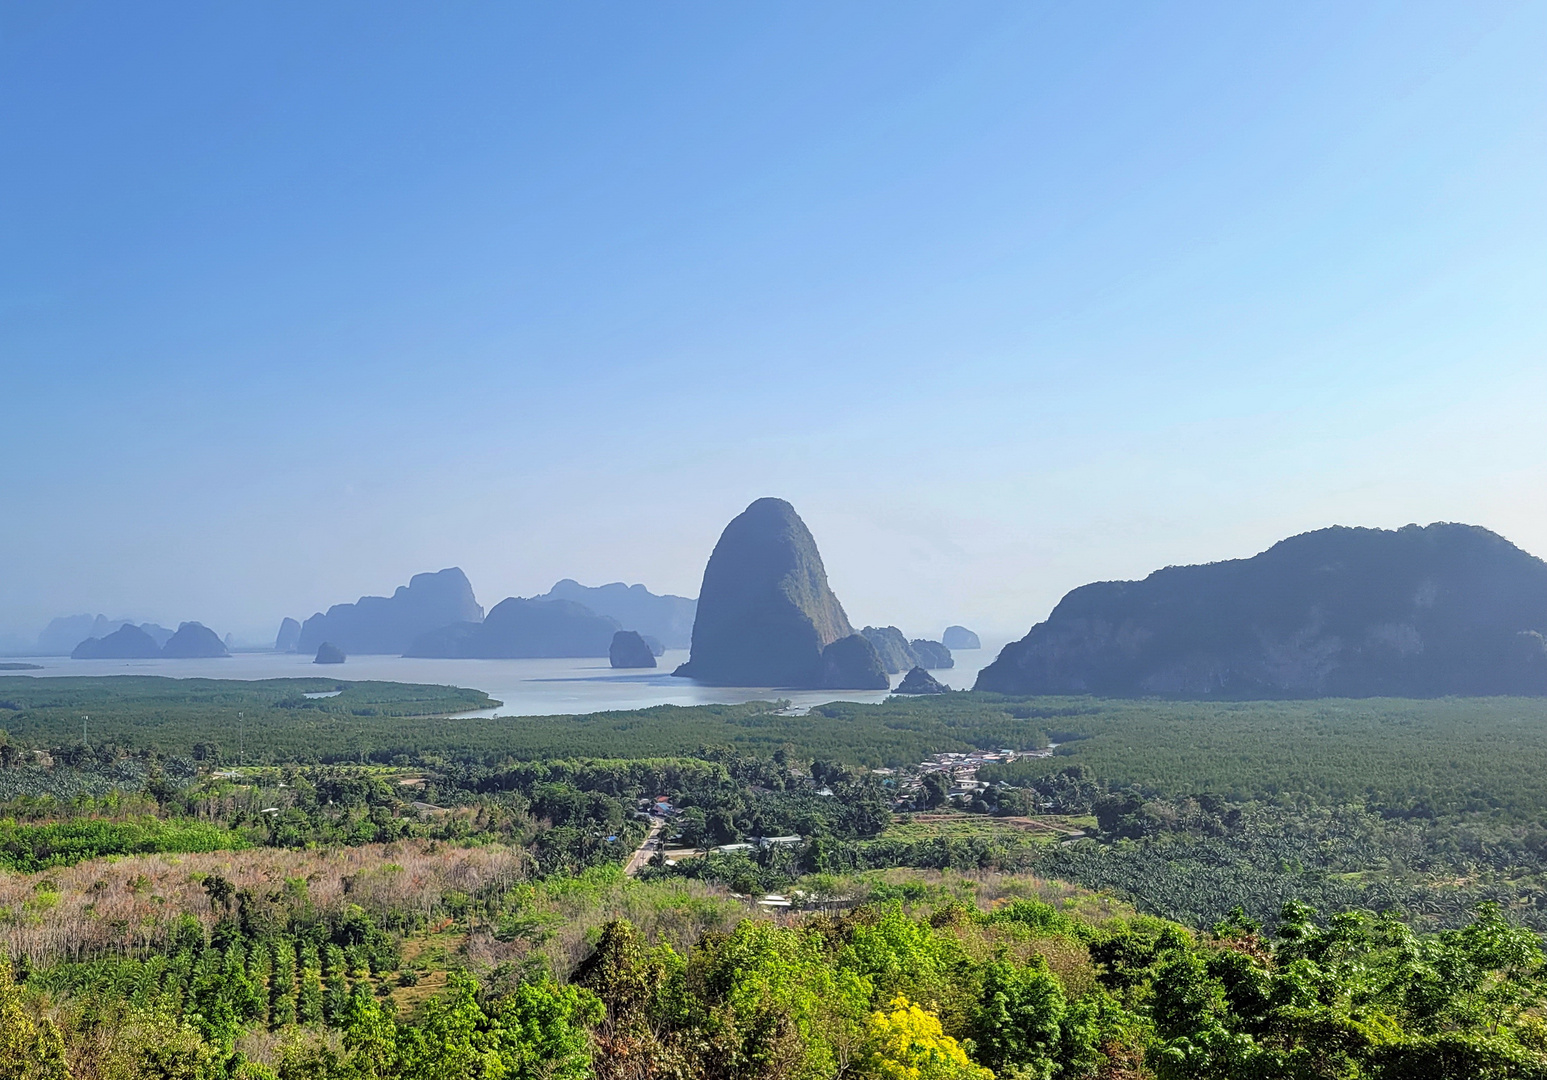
(241, 741)
(84, 718)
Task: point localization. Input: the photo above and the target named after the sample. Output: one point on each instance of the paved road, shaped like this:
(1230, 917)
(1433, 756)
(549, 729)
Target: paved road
(637, 861)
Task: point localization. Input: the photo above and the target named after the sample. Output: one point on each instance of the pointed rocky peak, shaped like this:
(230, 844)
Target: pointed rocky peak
(765, 612)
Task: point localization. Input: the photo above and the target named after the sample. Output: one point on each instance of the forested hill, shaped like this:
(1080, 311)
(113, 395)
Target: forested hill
(1415, 612)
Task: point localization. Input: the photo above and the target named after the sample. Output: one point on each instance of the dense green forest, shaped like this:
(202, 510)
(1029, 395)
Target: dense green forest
(1460, 751)
(348, 886)
(373, 721)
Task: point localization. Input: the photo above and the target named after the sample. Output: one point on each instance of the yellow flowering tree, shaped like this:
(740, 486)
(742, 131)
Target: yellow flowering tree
(906, 1042)
(30, 1048)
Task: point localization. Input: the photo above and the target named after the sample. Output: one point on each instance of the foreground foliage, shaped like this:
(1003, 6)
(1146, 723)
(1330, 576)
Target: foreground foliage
(942, 989)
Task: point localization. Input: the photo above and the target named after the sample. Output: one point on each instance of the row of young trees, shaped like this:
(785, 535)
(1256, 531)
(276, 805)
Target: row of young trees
(947, 993)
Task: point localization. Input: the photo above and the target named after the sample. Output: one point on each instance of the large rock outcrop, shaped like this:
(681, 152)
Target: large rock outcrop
(329, 653)
(629, 650)
(765, 612)
(289, 637)
(194, 641)
(932, 655)
(959, 637)
(128, 642)
(390, 624)
(1416, 612)
(919, 681)
(518, 628)
(852, 663)
(667, 619)
(896, 655)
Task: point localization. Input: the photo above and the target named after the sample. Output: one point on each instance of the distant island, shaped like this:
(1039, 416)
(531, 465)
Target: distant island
(520, 628)
(289, 637)
(128, 642)
(391, 624)
(898, 654)
(932, 655)
(194, 641)
(1416, 612)
(191, 640)
(959, 637)
(667, 619)
(437, 615)
(63, 635)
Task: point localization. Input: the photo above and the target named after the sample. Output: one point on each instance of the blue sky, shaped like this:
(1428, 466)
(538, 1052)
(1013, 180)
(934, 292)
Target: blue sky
(297, 300)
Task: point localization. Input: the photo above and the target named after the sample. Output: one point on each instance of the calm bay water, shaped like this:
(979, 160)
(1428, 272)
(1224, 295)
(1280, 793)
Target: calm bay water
(526, 687)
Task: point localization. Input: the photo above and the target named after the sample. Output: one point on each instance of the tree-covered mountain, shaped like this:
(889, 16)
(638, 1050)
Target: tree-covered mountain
(1415, 612)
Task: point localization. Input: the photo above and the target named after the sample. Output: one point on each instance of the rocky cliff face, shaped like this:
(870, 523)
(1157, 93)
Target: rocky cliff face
(381, 624)
(518, 628)
(194, 641)
(667, 619)
(629, 650)
(128, 642)
(892, 647)
(765, 612)
(1416, 612)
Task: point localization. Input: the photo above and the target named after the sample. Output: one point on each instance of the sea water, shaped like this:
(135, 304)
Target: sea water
(525, 687)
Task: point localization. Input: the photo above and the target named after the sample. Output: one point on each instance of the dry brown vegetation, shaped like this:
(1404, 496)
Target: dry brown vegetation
(125, 906)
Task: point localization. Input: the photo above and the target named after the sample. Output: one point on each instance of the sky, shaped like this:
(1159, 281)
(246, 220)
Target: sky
(299, 299)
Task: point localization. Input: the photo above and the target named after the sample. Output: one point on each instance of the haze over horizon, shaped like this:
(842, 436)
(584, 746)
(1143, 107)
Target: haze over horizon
(1004, 299)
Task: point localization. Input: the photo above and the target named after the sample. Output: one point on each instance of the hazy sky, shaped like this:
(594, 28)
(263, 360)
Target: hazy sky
(299, 299)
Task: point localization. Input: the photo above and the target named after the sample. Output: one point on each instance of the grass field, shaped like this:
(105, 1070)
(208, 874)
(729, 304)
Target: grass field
(962, 826)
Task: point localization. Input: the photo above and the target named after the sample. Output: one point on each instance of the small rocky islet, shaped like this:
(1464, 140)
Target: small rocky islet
(629, 649)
